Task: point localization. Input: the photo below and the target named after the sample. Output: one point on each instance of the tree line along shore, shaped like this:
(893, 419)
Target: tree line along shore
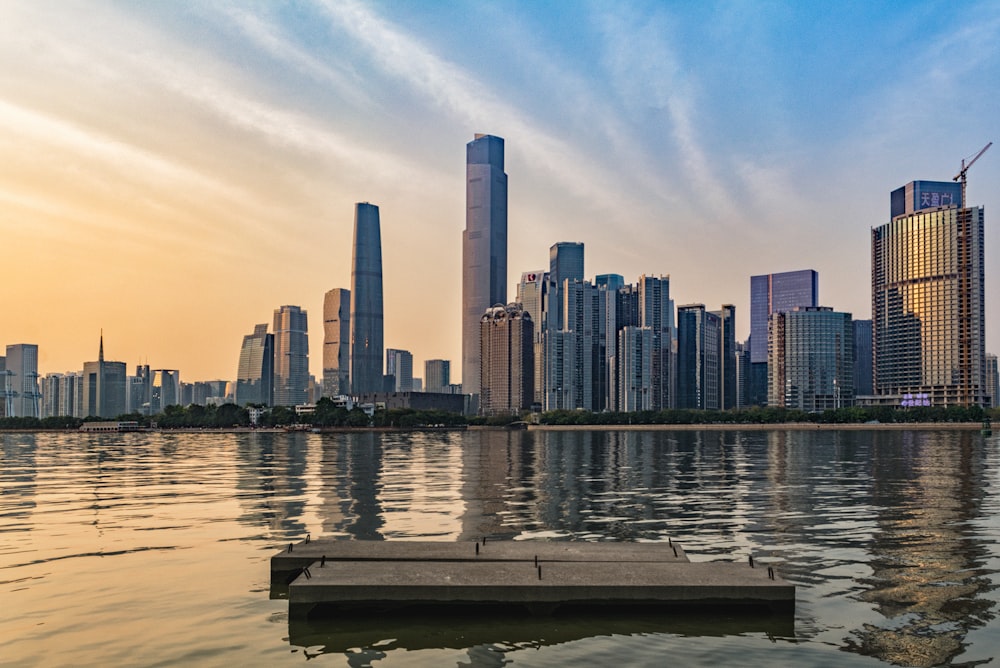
(329, 415)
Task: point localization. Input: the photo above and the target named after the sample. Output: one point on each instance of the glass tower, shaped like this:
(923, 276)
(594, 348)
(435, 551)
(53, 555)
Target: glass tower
(928, 298)
(367, 319)
(811, 359)
(255, 378)
(484, 247)
(336, 342)
(291, 356)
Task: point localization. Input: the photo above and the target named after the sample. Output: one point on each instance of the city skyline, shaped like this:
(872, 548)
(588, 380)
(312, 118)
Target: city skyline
(123, 216)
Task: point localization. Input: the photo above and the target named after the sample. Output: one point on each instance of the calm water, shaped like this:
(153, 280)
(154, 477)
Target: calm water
(153, 549)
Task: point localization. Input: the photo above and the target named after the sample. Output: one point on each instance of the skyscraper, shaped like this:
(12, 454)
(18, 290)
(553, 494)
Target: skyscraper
(507, 360)
(437, 375)
(532, 295)
(728, 391)
(367, 321)
(656, 311)
(255, 378)
(22, 364)
(811, 359)
(399, 366)
(337, 342)
(862, 358)
(103, 387)
(774, 293)
(165, 389)
(291, 356)
(928, 297)
(484, 247)
(698, 347)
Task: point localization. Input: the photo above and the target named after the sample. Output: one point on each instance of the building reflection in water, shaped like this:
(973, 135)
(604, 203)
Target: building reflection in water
(927, 561)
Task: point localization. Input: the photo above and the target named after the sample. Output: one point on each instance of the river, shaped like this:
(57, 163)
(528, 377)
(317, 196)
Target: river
(152, 549)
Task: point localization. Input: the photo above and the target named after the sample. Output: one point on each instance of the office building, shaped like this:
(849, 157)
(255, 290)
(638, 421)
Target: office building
(811, 359)
(139, 390)
(484, 246)
(50, 394)
(337, 342)
(992, 380)
(928, 297)
(6, 390)
(255, 376)
(367, 319)
(507, 367)
(291, 356)
(22, 367)
(399, 366)
(727, 357)
(774, 293)
(863, 358)
(437, 376)
(698, 349)
(634, 369)
(656, 311)
(532, 295)
(165, 390)
(103, 387)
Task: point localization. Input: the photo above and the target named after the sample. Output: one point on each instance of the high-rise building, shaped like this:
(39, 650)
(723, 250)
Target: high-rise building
(863, 358)
(928, 297)
(484, 246)
(532, 295)
(399, 365)
(507, 360)
(727, 357)
(22, 364)
(811, 359)
(567, 385)
(255, 377)
(103, 387)
(774, 293)
(6, 390)
(367, 318)
(139, 394)
(70, 395)
(992, 380)
(634, 369)
(698, 349)
(291, 356)
(337, 342)
(165, 390)
(656, 311)
(437, 376)
(50, 394)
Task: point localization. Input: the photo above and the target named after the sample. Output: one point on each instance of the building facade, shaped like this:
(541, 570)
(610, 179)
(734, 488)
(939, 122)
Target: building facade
(698, 349)
(437, 376)
(165, 390)
(484, 247)
(863, 358)
(774, 293)
(928, 297)
(811, 359)
(337, 342)
(291, 356)
(507, 367)
(255, 376)
(367, 315)
(22, 367)
(399, 366)
(103, 387)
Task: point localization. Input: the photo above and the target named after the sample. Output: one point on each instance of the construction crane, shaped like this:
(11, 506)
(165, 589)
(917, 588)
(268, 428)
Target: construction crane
(965, 168)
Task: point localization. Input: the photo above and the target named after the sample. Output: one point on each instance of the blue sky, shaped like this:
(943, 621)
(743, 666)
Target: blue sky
(175, 171)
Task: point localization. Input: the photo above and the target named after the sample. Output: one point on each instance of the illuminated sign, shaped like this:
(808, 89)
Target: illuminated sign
(915, 400)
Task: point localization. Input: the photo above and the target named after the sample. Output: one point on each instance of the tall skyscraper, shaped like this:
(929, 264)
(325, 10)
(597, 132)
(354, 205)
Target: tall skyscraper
(437, 376)
(6, 390)
(399, 366)
(507, 360)
(255, 377)
(532, 295)
(139, 393)
(992, 380)
(291, 356)
(774, 293)
(103, 387)
(337, 342)
(928, 297)
(727, 357)
(634, 365)
(367, 319)
(22, 364)
(811, 359)
(698, 348)
(656, 311)
(484, 247)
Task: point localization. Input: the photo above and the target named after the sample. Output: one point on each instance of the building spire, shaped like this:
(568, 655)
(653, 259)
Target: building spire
(100, 353)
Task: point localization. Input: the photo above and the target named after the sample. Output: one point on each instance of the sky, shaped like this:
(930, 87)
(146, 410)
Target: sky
(172, 172)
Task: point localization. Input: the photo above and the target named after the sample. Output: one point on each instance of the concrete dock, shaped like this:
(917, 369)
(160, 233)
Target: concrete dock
(339, 576)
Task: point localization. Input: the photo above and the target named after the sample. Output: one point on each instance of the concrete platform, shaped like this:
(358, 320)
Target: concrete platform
(358, 575)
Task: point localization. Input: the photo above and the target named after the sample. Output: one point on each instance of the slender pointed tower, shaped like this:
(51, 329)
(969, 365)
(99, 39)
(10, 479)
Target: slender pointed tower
(366, 302)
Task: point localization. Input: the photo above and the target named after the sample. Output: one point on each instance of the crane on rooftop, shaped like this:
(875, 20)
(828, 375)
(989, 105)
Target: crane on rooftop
(965, 168)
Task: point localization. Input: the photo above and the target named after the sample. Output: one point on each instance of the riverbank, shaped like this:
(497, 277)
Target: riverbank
(784, 426)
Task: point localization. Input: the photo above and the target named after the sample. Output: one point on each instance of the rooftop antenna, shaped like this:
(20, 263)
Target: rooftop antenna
(965, 168)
